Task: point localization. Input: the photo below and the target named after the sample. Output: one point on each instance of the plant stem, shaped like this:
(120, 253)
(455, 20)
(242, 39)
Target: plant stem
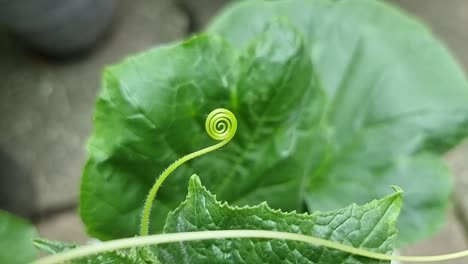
(221, 124)
(145, 219)
(224, 234)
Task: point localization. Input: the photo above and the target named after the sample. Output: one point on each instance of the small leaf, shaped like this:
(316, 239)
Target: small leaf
(370, 226)
(16, 238)
(52, 246)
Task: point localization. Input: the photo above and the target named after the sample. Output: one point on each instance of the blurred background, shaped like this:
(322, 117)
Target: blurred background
(50, 70)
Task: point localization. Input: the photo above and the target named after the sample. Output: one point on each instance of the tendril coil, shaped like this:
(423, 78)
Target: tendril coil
(221, 125)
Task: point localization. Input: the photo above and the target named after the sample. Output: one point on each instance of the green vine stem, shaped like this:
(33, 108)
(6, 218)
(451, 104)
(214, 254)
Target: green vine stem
(226, 234)
(221, 124)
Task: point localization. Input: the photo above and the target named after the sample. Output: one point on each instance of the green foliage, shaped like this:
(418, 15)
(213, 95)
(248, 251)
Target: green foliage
(371, 226)
(16, 236)
(336, 100)
(155, 114)
(395, 101)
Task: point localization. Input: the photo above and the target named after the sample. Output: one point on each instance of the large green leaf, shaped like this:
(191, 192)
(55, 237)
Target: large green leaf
(16, 240)
(371, 226)
(395, 99)
(151, 111)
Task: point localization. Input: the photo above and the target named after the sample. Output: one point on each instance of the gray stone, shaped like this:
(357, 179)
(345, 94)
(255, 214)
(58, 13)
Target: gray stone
(65, 226)
(447, 19)
(16, 191)
(46, 108)
(51, 26)
(457, 160)
(200, 12)
(450, 239)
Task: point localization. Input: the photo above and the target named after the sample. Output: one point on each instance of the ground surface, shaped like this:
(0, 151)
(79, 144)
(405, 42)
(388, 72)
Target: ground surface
(46, 110)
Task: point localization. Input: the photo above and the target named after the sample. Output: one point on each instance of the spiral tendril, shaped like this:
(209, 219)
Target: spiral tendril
(221, 125)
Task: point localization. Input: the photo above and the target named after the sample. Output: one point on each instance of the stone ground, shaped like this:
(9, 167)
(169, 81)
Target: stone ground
(46, 109)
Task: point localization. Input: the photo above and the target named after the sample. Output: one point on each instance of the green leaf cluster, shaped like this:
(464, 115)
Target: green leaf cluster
(336, 100)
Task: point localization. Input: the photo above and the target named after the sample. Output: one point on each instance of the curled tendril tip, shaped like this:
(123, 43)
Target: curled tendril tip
(221, 124)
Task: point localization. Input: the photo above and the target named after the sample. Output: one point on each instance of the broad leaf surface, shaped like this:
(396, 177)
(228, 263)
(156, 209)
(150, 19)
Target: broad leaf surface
(152, 110)
(16, 240)
(395, 99)
(371, 226)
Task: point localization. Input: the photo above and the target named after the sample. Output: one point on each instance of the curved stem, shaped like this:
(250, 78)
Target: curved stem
(220, 124)
(145, 219)
(224, 234)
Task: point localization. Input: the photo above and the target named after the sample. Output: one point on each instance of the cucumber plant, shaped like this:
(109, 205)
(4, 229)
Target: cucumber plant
(330, 103)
